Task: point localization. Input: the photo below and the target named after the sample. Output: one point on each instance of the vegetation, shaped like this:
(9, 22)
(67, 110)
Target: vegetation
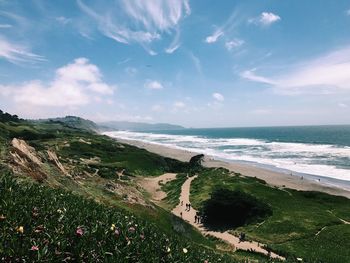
(91, 182)
(309, 225)
(41, 224)
(227, 209)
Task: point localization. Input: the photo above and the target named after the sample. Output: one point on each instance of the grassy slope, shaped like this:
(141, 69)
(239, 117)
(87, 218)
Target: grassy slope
(71, 147)
(50, 220)
(297, 217)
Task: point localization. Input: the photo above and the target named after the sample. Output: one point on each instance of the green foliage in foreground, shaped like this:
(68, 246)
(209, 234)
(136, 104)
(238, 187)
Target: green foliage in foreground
(42, 224)
(309, 225)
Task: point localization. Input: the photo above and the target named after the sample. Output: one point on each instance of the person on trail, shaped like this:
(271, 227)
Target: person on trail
(182, 202)
(195, 218)
(186, 207)
(189, 207)
(181, 214)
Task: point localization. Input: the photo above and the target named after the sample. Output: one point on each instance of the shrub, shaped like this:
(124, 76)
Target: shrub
(227, 209)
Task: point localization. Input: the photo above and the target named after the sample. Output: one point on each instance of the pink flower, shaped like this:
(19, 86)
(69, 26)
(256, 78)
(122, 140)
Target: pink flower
(142, 236)
(132, 229)
(34, 248)
(79, 231)
(116, 232)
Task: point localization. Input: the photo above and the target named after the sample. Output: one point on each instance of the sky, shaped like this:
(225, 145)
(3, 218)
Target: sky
(197, 63)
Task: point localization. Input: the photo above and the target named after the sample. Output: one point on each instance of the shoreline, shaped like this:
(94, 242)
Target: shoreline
(273, 178)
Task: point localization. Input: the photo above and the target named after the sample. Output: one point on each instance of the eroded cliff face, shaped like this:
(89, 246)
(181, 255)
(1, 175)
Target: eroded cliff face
(25, 159)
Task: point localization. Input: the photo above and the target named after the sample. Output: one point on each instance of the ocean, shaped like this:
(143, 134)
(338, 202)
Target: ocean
(319, 151)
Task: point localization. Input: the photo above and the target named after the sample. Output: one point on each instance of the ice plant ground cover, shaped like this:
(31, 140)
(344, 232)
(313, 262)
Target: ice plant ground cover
(43, 224)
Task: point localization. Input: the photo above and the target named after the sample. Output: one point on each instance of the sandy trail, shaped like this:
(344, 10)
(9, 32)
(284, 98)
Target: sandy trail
(225, 236)
(152, 185)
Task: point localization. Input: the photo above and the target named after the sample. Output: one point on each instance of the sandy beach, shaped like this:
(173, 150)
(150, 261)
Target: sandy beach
(274, 178)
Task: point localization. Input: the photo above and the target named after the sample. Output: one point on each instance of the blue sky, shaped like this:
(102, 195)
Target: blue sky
(195, 63)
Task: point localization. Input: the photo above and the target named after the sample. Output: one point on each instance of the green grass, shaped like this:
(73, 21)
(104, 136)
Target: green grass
(173, 190)
(297, 216)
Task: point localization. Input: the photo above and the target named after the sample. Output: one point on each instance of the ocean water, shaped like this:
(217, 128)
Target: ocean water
(322, 151)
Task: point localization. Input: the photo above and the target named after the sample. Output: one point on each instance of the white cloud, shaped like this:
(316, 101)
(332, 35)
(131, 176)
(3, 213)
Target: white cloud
(17, 54)
(330, 73)
(219, 97)
(5, 26)
(75, 84)
(214, 37)
(265, 19)
(197, 63)
(153, 84)
(348, 12)
(225, 29)
(234, 43)
(261, 111)
(175, 44)
(179, 105)
(157, 108)
(131, 71)
(63, 20)
(250, 75)
(139, 21)
(342, 105)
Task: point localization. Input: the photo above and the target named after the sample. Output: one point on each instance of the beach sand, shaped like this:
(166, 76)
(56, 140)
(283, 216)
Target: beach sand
(274, 178)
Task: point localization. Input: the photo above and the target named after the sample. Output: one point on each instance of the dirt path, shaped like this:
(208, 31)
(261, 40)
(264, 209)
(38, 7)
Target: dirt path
(225, 236)
(152, 185)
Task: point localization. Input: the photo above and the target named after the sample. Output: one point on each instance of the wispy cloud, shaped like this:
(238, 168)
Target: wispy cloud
(63, 20)
(157, 108)
(327, 74)
(225, 29)
(214, 37)
(265, 19)
(218, 96)
(348, 12)
(16, 53)
(5, 26)
(234, 43)
(197, 63)
(179, 105)
(250, 75)
(175, 44)
(140, 21)
(153, 84)
(75, 84)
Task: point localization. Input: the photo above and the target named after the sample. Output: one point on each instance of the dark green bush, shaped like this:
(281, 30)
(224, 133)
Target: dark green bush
(227, 209)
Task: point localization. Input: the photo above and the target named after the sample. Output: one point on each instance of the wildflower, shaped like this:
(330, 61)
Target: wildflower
(112, 227)
(39, 229)
(2, 217)
(79, 231)
(168, 250)
(116, 232)
(132, 229)
(185, 250)
(206, 261)
(142, 236)
(20, 229)
(34, 248)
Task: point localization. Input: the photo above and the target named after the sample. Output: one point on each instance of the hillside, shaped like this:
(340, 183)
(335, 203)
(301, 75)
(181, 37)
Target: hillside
(138, 126)
(73, 122)
(77, 194)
